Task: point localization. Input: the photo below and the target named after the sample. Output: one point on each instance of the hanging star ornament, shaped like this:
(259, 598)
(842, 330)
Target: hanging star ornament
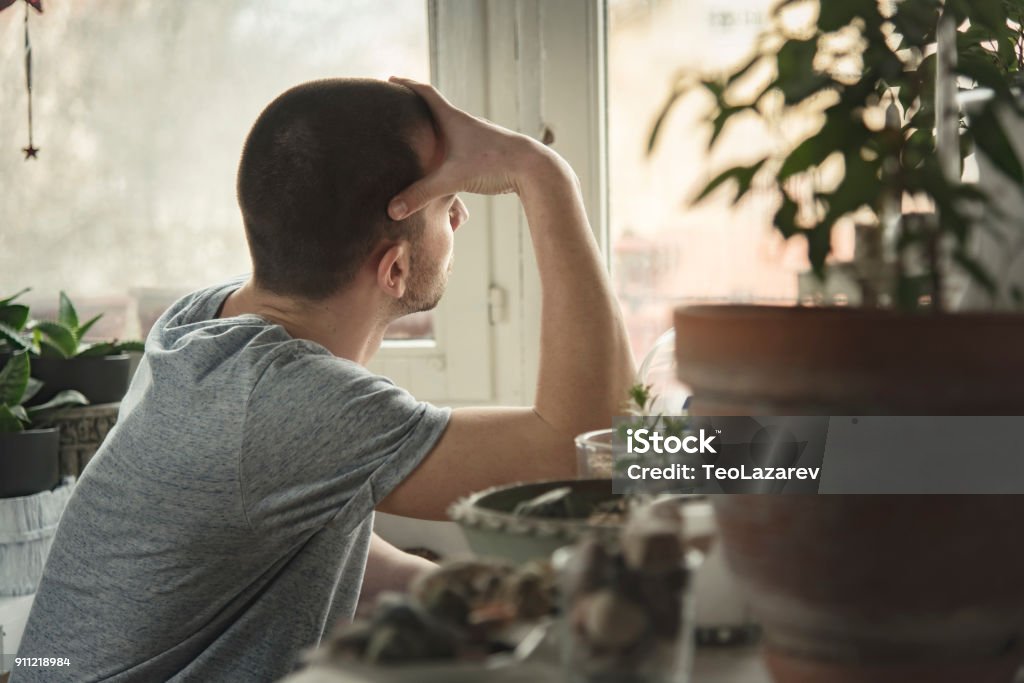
(31, 151)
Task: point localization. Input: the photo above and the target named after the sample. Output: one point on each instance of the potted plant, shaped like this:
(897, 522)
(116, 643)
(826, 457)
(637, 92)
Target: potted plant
(99, 370)
(863, 588)
(28, 457)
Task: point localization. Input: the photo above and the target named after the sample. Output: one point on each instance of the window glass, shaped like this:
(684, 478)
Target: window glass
(140, 111)
(666, 251)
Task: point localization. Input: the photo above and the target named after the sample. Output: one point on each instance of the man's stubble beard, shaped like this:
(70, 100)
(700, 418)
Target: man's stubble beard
(426, 286)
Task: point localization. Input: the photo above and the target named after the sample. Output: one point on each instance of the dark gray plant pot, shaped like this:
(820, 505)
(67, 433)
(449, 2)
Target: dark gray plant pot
(29, 462)
(102, 379)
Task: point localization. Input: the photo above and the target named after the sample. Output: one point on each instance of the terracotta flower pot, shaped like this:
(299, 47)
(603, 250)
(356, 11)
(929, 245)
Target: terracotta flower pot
(771, 360)
(862, 588)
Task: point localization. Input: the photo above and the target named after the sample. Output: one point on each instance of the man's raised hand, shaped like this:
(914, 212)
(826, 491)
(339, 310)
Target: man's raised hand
(478, 156)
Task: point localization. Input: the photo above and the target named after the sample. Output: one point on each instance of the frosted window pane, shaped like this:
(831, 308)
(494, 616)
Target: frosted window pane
(141, 109)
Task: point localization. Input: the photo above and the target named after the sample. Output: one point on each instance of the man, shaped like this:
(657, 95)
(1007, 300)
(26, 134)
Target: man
(227, 520)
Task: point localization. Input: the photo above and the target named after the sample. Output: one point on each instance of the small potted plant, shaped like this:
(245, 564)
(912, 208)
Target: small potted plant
(28, 456)
(99, 370)
(31, 495)
(865, 588)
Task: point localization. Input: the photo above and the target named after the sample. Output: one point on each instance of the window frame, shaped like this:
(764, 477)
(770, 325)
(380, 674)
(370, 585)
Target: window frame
(531, 66)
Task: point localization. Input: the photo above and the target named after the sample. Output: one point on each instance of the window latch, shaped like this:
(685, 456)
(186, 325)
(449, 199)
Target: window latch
(497, 304)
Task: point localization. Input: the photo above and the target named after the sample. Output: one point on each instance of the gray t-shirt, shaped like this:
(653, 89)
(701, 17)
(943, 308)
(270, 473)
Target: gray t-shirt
(225, 521)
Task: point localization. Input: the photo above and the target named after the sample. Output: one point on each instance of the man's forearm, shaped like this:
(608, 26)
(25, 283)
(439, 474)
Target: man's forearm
(388, 569)
(586, 366)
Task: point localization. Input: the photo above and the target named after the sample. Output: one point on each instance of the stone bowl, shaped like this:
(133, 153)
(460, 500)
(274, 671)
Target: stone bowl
(493, 530)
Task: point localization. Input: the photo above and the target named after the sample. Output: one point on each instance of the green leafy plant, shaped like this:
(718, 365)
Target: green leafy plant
(640, 407)
(63, 337)
(869, 68)
(13, 318)
(17, 387)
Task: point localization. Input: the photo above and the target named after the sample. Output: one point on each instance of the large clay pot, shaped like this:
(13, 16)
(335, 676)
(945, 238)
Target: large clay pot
(862, 588)
(773, 360)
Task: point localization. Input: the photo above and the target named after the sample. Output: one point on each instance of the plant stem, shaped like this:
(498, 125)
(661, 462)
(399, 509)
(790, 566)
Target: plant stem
(947, 140)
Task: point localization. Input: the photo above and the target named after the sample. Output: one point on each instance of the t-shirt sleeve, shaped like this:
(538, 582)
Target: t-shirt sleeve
(326, 440)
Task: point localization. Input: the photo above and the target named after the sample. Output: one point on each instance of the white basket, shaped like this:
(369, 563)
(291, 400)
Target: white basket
(27, 526)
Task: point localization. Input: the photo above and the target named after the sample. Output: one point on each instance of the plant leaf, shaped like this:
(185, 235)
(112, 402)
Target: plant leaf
(111, 348)
(835, 15)
(919, 146)
(915, 21)
(58, 336)
(129, 346)
(743, 175)
(14, 379)
(743, 70)
(723, 116)
(991, 139)
(4, 302)
(819, 245)
(67, 315)
(640, 395)
(65, 399)
(97, 349)
(14, 315)
(659, 121)
(785, 217)
(860, 187)
(977, 271)
(47, 349)
(20, 413)
(832, 137)
(716, 182)
(31, 389)
(796, 75)
(14, 338)
(87, 325)
(981, 69)
(9, 422)
(989, 13)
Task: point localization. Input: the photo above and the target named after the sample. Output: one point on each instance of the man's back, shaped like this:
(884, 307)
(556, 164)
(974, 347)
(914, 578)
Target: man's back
(224, 524)
(287, 443)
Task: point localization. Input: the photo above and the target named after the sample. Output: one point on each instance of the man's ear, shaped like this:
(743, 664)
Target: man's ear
(393, 269)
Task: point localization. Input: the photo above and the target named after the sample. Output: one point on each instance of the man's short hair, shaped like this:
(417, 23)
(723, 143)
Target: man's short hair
(317, 172)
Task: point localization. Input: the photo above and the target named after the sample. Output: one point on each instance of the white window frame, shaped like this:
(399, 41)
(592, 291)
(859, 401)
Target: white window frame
(532, 66)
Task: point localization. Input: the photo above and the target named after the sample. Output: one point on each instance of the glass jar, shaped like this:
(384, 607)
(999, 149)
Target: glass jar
(595, 454)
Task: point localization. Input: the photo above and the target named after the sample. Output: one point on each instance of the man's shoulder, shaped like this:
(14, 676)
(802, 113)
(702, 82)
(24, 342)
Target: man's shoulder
(193, 324)
(190, 342)
(196, 307)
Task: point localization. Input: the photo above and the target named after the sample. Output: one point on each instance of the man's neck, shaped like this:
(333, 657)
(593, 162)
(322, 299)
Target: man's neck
(347, 324)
